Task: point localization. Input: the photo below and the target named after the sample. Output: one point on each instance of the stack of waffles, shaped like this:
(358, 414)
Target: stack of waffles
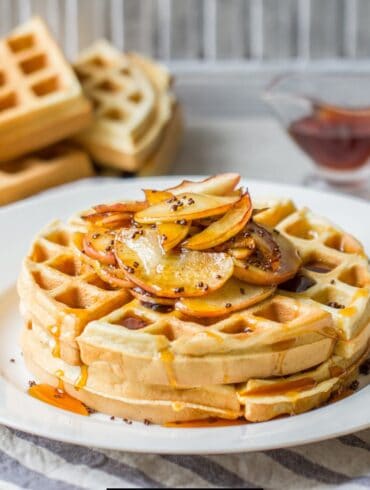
(247, 350)
(122, 114)
(137, 126)
(41, 104)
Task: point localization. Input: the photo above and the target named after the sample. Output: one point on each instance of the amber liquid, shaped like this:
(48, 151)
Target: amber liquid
(335, 138)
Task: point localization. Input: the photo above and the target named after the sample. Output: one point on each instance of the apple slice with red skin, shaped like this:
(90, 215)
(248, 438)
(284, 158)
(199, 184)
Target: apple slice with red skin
(186, 206)
(108, 220)
(100, 246)
(225, 228)
(113, 275)
(172, 234)
(219, 185)
(234, 295)
(257, 269)
(172, 275)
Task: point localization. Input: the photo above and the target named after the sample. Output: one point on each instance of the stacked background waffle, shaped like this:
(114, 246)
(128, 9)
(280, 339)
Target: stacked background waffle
(42, 103)
(137, 123)
(286, 354)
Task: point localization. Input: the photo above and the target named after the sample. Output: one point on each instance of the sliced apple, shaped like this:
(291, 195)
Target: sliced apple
(121, 207)
(171, 234)
(100, 246)
(146, 297)
(172, 275)
(233, 296)
(155, 197)
(114, 276)
(108, 220)
(258, 270)
(186, 206)
(240, 253)
(225, 228)
(219, 185)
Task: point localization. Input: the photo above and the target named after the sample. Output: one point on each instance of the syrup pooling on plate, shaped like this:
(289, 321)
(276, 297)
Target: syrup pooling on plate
(195, 332)
(58, 398)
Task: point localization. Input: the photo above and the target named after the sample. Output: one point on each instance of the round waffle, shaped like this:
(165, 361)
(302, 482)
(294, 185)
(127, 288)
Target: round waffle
(284, 353)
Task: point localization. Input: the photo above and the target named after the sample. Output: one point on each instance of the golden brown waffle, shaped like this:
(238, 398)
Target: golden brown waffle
(337, 269)
(41, 101)
(56, 165)
(61, 294)
(266, 399)
(107, 389)
(104, 389)
(276, 338)
(133, 107)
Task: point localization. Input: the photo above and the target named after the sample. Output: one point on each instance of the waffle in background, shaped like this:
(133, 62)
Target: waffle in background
(41, 101)
(56, 165)
(138, 123)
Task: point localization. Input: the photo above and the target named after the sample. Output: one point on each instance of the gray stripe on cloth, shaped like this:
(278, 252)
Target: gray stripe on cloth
(354, 441)
(304, 467)
(14, 472)
(210, 471)
(74, 454)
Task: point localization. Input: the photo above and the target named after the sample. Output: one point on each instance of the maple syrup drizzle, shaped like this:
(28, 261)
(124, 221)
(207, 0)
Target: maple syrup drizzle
(285, 388)
(57, 397)
(82, 380)
(59, 374)
(213, 335)
(348, 312)
(54, 330)
(319, 267)
(167, 358)
(361, 293)
(206, 423)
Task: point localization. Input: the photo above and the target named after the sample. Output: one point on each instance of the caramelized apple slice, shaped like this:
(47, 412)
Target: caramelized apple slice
(172, 275)
(258, 270)
(225, 228)
(155, 197)
(99, 246)
(171, 234)
(114, 276)
(121, 207)
(108, 220)
(186, 206)
(240, 253)
(146, 297)
(219, 185)
(233, 296)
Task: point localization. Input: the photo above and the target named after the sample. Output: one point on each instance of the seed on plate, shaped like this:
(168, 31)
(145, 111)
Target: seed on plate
(200, 284)
(354, 385)
(228, 305)
(242, 291)
(179, 290)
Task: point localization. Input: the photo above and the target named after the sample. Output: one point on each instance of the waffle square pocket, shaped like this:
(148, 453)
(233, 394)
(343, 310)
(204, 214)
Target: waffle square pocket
(41, 101)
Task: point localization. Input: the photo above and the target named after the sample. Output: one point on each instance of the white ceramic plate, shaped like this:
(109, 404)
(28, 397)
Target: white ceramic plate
(20, 222)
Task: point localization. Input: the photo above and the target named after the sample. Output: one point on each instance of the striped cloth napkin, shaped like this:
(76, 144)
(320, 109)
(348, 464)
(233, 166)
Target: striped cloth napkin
(28, 461)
